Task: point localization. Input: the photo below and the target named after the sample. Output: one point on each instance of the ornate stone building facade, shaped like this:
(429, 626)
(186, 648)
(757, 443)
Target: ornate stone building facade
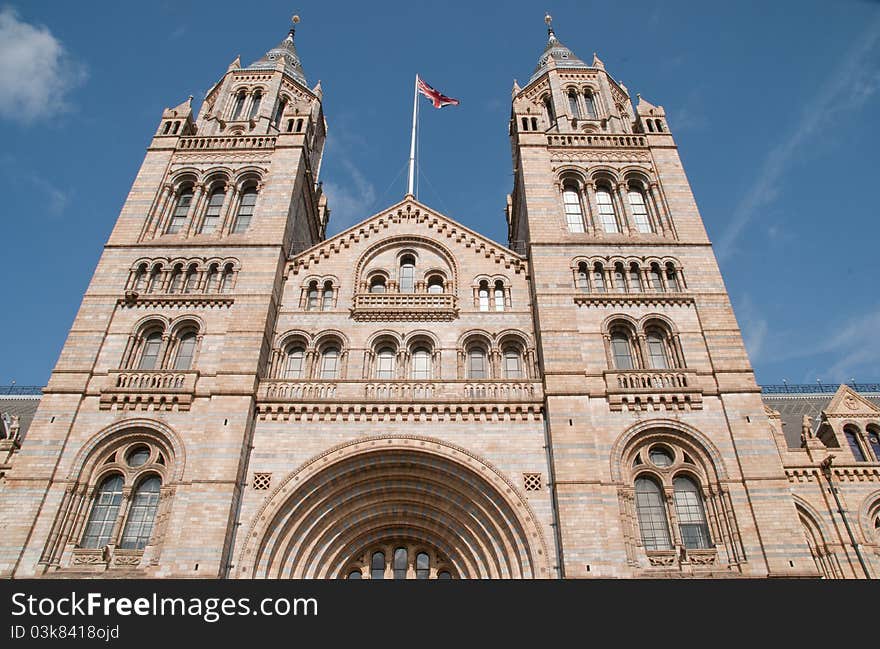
(241, 396)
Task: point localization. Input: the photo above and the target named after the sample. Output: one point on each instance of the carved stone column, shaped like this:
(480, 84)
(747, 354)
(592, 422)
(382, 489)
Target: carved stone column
(626, 217)
(593, 224)
(194, 210)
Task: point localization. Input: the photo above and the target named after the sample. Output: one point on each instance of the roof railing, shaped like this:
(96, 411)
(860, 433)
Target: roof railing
(817, 388)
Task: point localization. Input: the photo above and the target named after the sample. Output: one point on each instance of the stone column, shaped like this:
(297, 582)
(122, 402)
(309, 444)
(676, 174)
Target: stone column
(626, 217)
(194, 210)
(592, 220)
(227, 216)
(160, 209)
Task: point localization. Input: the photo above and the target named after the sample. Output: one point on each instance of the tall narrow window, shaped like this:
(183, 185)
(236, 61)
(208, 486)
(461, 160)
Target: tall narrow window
(377, 566)
(312, 297)
(635, 278)
(226, 279)
(385, 363)
(599, 278)
(279, 112)
(621, 350)
(245, 210)
(484, 296)
(672, 278)
(105, 510)
(181, 209)
(571, 200)
(421, 364)
(295, 365)
(852, 438)
(186, 349)
(155, 280)
(192, 279)
(212, 284)
(477, 367)
(651, 513)
(691, 514)
(327, 297)
(499, 296)
(657, 351)
(619, 279)
(150, 352)
(583, 279)
(548, 107)
(212, 212)
(407, 274)
(606, 210)
(140, 280)
(141, 515)
(639, 209)
(573, 106)
(238, 106)
(590, 104)
(656, 279)
(176, 280)
(255, 106)
(423, 566)
(400, 563)
(513, 368)
(435, 284)
(330, 363)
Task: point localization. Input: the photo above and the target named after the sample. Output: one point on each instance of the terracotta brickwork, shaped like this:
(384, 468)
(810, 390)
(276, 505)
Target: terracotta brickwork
(241, 396)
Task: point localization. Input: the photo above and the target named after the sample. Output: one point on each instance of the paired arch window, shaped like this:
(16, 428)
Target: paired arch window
(483, 296)
(141, 514)
(149, 358)
(494, 296)
(512, 362)
(401, 562)
(320, 296)
(150, 352)
(627, 279)
(295, 363)
(659, 351)
(186, 350)
(105, 511)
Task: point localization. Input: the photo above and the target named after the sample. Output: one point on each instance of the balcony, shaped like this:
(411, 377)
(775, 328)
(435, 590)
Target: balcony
(653, 390)
(404, 306)
(401, 391)
(148, 389)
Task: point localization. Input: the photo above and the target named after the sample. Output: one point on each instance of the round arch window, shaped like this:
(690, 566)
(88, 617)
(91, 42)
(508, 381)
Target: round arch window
(660, 456)
(138, 456)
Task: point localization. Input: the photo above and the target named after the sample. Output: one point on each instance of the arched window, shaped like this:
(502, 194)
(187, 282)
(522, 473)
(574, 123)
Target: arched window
(327, 299)
(354, 574)
(245, 209)
(423, 566)
(330, 362)
(226, 279)
(635, 278)
(400, 563)
(573, 106)
(548, 107)
(141, 514)
(650, 126)
(651, 513)
(377, 284)
(598, 278)
(212, 284)
(571, 200)
(583, 278)
(282, 104)
(239, 105)
(499, 295)
(212, 212)
(294, 367)
(176, 279)
(874, 441)
(534, 123)
(181, 209)
(525, 123)
(621, 350)
(435, 284)
(513, 365)
(255, 106)
(590, 104)
(377, 566)
(155, 280)
(656, 279)
(140, 279)
(483, 295)
(407, 274)
(691, 514)
(639, 209)
(312, 297)
(852, 438)
(192, 279)
(477, 366)
(444, 574)
(619, 278)
(657, 350)
(105, 509)
(421, 364)
(150, 351)
(385, 364)
(186, 349)
(672, 278)
(607, 216)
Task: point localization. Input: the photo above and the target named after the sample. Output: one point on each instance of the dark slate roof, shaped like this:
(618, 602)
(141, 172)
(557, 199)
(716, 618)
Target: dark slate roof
(793, 405)
(285, 51)
(24, 406)
(561, 55)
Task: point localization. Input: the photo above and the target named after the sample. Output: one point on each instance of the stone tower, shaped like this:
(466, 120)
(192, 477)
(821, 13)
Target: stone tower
(662, 457)
(172, 331)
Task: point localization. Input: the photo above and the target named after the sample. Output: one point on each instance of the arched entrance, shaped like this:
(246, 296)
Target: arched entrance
(332, 515)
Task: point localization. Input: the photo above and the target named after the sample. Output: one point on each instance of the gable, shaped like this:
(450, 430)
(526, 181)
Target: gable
(849, 403)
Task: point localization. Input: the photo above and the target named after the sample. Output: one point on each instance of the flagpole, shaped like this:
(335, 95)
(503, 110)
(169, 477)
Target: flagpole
(412, 146)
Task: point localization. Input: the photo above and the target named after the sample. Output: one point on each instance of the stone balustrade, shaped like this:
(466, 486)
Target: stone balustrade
(404, 306)
(598, 141)
(210, 143)
(653, 389)
(149, 389)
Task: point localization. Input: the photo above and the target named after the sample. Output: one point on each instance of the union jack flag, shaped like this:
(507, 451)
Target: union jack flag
(438, 98)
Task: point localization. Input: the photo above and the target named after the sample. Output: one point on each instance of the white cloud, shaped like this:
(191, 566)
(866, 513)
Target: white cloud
(349, 200)
(36, 72)
(754, 328)
(848, 88)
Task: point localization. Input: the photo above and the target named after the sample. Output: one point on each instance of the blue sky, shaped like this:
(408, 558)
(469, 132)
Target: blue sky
(773, 105)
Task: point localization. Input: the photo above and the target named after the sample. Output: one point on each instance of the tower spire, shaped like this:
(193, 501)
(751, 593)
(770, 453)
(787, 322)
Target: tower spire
(285, 52)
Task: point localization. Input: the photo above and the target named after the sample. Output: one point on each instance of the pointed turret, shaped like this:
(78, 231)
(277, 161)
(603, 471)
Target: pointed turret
(284, 57)
(555, 54)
